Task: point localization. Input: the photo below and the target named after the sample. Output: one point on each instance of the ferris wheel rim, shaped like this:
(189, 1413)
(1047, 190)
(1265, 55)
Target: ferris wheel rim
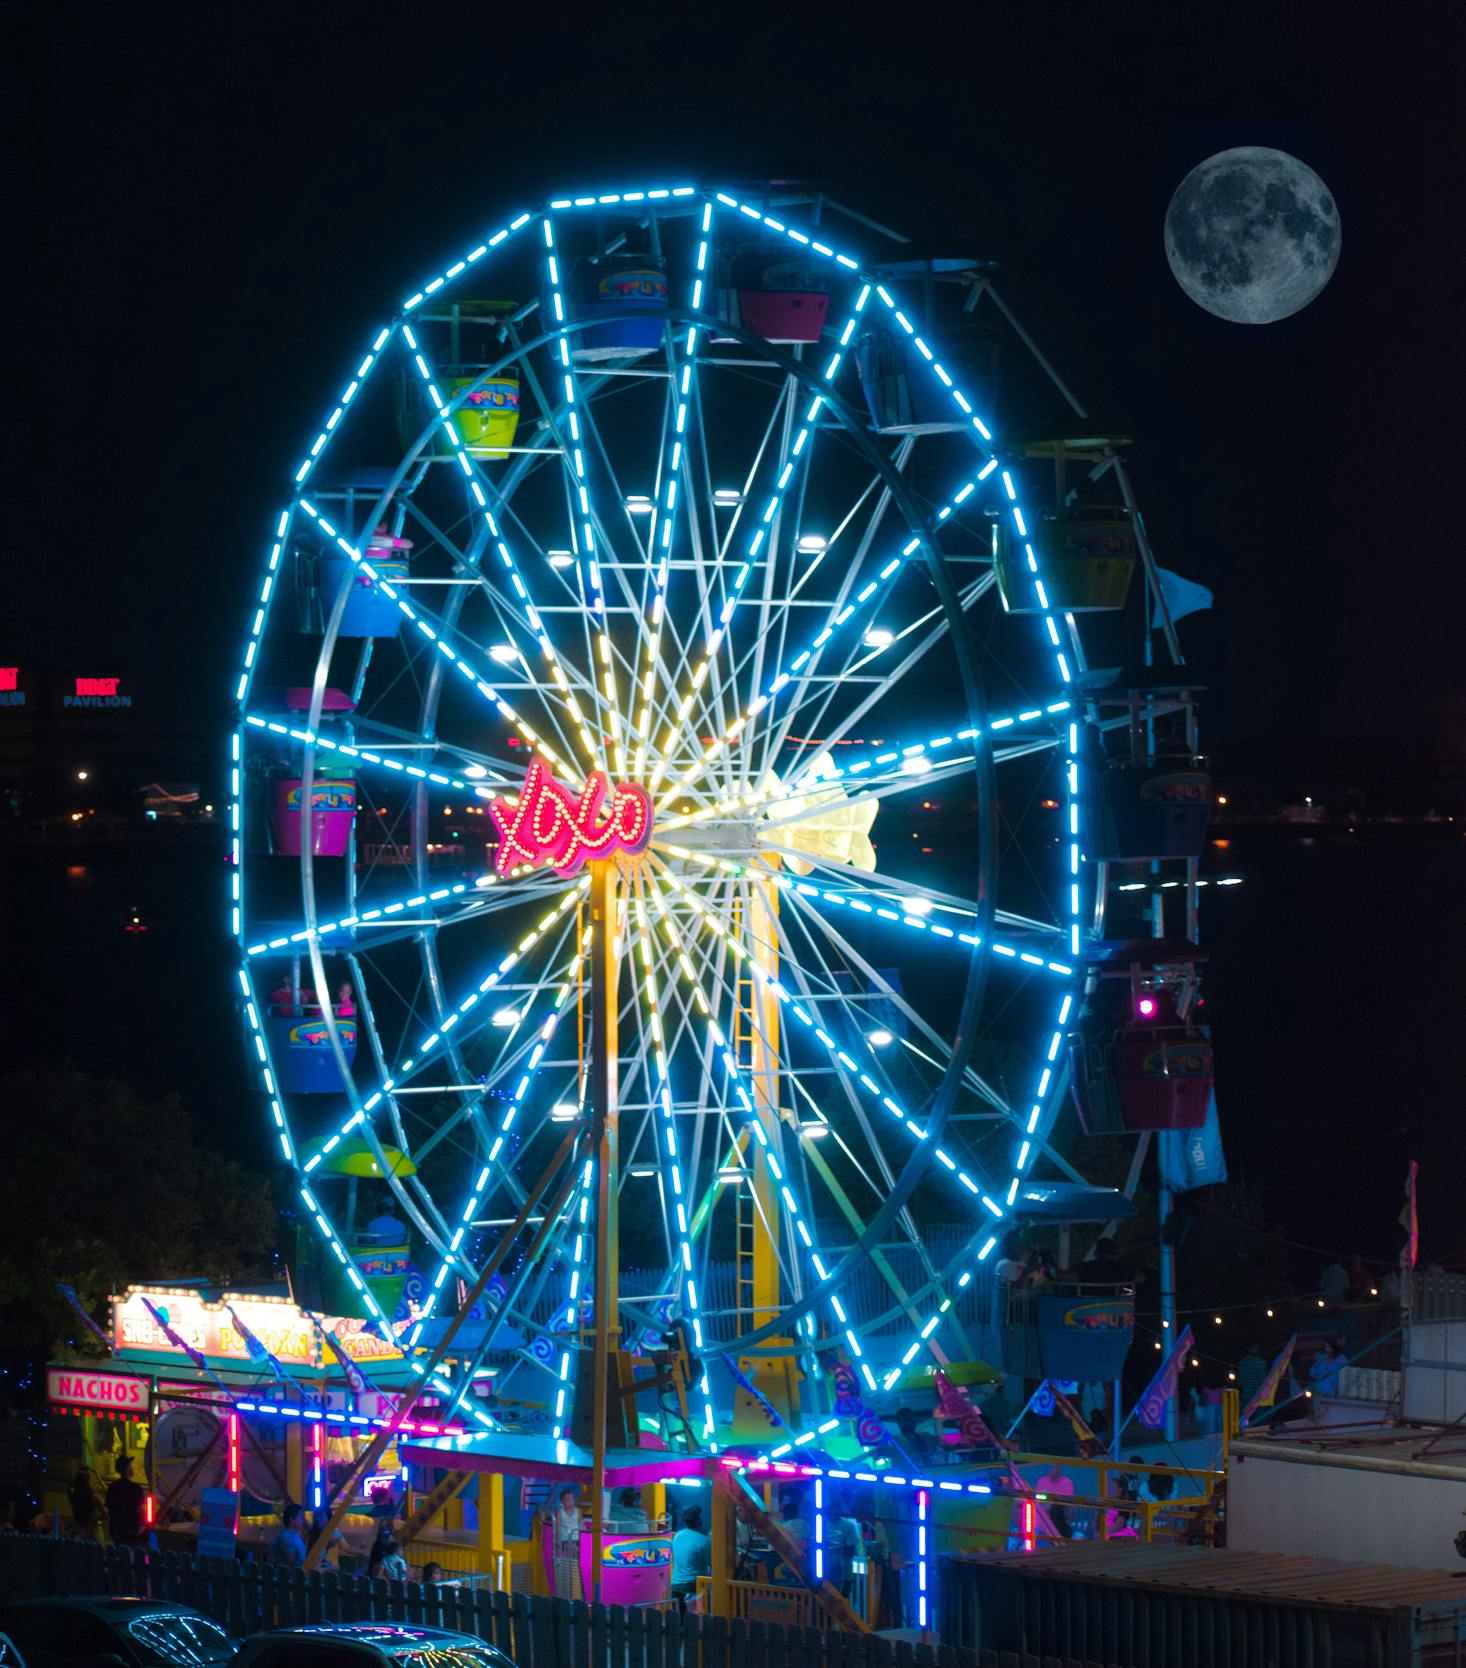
(428, 938)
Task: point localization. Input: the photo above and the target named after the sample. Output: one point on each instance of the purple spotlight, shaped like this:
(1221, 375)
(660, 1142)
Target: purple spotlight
(1146, 1007)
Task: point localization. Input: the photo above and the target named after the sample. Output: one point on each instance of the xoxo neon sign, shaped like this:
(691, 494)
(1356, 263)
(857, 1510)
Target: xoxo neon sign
(550, 824)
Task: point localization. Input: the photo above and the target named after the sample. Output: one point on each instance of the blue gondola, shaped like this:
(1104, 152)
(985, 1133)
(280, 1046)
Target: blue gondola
(368, 610)
(620, 284)
(301, 1052)
(1064, 1329)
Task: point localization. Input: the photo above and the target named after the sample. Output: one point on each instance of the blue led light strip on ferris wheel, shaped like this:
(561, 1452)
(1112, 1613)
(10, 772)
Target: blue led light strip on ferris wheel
(917, 923)
(516, 1103)
(838, 1056)
(643, 691)
(522, 600)
(736, 1082)
(477, 254)
(456, 660)
(572, 1308)
(351, 751)
(877, 911)
(577, 445)
(720, 630)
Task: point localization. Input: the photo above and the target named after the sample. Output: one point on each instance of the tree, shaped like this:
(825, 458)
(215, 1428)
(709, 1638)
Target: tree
(100, 1188)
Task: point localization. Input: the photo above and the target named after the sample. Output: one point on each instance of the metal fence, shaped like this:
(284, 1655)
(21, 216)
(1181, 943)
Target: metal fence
(1438, 1296)
(533, 1632)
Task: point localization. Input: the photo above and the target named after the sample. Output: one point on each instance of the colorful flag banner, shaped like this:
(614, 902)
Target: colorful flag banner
(1267, 1391)
(954, 1403)
(1151, 1408)
(1410, 1250)
(75, 1304)
(870, 1432)
(254, 1347)
(1183, 596)
(358, 1381)
(180, 1342)
(741, 1379)
(1193, 1157)
(1087, 1444)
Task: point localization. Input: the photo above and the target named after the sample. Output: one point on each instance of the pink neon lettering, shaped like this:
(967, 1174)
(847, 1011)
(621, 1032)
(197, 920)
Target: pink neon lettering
(551, 825)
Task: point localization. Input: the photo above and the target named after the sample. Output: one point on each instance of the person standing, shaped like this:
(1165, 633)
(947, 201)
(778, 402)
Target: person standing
(86, 1504)
(387, 1562)
(124, 1500)
(692, 1556)
(843, 1546)
(1324, 1373)
(288, 1546)
(568, 1525)
(1053, 1516)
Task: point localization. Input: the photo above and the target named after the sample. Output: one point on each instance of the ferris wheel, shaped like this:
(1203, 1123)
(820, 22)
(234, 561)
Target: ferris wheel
(670, 714)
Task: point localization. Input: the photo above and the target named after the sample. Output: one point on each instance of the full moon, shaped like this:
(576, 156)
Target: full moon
(1252, 235)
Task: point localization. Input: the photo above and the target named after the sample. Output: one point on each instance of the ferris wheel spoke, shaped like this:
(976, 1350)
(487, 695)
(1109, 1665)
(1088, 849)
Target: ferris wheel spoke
(714, 567)
(484, 496)
(650, 669)
(810, 709)
(887, 1180)
(367, 756)
(973, 1080)
(580, 426)
(386, 916)
(985, 1092)
(838, 618)
(482, 768)
(422, 620)
(917, 912)
(839, 1058)
(810, 565)
(775, 736)
(532, 941)
(744, 1097)
(762, 546)
(547, 1018)
(717, 601)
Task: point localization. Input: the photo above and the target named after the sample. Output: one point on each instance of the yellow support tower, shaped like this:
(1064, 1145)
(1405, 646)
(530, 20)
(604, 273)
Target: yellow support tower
(761, 1216)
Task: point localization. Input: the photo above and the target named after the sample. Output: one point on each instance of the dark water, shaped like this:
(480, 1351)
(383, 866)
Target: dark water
(1334, 989)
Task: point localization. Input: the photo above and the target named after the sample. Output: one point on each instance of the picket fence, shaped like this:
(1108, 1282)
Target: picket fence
(532, 1632)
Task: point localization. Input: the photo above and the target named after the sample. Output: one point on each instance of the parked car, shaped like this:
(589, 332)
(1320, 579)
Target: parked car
(114, 1633)
(367, 1645)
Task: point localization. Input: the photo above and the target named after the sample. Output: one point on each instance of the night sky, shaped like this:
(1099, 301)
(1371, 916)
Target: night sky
(210, 209)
